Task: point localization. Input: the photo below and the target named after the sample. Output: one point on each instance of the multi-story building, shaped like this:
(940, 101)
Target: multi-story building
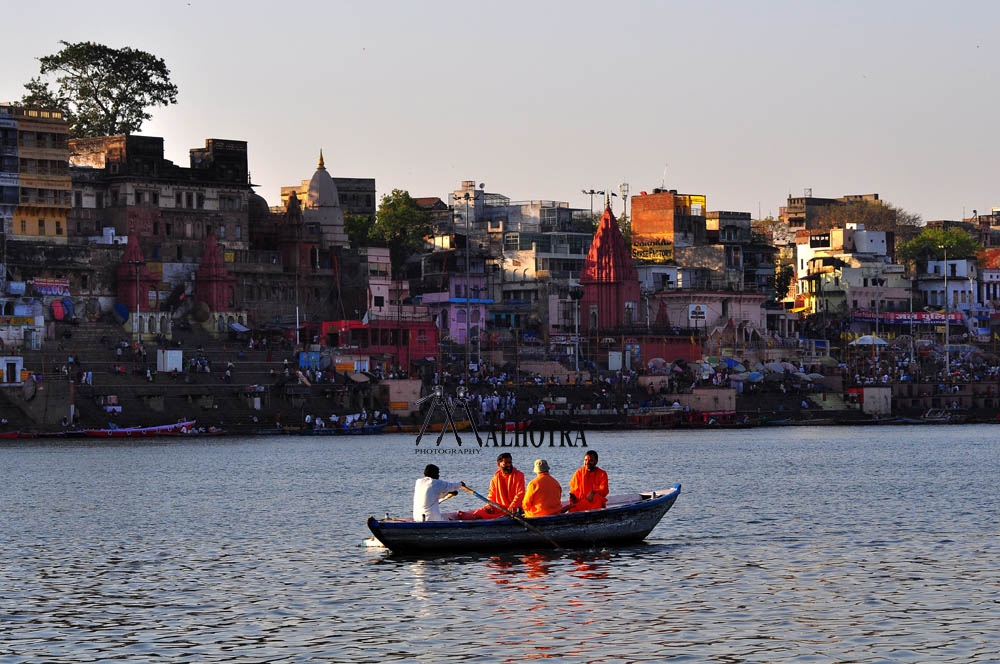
(664, 220)
(803, 211)
(43, 182)
(9, 180)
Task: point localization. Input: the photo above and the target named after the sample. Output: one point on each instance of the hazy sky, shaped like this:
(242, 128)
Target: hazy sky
(744, 102)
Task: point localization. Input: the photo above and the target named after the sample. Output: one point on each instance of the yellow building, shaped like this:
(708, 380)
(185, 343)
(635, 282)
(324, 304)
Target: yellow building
(43, 169)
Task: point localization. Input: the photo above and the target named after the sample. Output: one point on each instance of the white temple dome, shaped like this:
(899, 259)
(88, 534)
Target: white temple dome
(322, 189)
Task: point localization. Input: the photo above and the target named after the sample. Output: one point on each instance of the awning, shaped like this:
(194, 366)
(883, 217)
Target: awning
(358, 377)
(236, 327)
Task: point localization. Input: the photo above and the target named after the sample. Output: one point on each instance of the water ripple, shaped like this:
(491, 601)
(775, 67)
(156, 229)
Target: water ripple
(798, 546)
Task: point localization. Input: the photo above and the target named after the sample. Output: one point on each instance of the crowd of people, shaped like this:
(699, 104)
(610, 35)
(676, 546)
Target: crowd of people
(509, 496)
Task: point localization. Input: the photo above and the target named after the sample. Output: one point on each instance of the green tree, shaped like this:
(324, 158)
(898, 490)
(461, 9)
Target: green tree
(358, 228)
(930, 244)
(401, 226)
(103, 91)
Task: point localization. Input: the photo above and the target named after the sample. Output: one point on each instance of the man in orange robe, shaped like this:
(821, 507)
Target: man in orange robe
(588, 490)
(544, 495)
(506, 488)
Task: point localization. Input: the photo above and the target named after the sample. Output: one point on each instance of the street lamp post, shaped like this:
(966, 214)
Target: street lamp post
(468, 278)
(947, 316)
(592, 193)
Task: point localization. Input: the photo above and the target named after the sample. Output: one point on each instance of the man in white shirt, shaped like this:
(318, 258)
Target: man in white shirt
(427, 492)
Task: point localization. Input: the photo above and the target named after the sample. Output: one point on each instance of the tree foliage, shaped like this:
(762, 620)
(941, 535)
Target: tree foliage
(103, 91)
(931, 244)
(401, 226)
(783, 281)
(874, 215)
(358, 228)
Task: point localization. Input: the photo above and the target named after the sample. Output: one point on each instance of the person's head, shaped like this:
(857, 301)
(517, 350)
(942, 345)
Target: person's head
(505, 462)
(541, 466)
(590, 460)
(431, 471)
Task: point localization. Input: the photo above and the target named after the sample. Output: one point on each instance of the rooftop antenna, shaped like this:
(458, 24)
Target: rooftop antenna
(663, 182)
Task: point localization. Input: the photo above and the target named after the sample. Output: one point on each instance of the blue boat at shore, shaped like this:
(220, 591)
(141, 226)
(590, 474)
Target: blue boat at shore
(626, 520)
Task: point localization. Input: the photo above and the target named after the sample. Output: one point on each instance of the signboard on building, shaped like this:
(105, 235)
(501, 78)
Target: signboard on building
(655, 252)
(907, 316)
(696, 312)
(17, 320)
(51, 286)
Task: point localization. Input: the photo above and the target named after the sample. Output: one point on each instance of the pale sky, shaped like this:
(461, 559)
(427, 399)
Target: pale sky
(744, 102)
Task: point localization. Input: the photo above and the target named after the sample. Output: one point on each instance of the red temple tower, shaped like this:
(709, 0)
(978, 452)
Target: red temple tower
(213, 285)
(610, 280)
(133, 277)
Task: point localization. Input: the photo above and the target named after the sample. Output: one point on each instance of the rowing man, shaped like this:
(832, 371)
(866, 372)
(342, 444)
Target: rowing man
(428, 491)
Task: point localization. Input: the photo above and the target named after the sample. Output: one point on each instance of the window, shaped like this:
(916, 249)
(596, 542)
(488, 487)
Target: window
(24, 227)
(156, 228)
(154, 198)
(168, 229)
(138, 198)
(178, 199)
(59, 228)
(41, 227)
(114, 197)
(222, 231)
(201, 201)
(84, 281)
(100, 199)
(180, 253)
(379, 300)
(208, 229)
(189, 199)
(78, 199)
(239, 232)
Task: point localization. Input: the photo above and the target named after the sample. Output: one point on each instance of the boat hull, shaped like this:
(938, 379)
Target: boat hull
(617, 524)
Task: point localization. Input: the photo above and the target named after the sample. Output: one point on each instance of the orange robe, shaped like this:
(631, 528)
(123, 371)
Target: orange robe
(583, 483)
(543, 497)
(506, 490)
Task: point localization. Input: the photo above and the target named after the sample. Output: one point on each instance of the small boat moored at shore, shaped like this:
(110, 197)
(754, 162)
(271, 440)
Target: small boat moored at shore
(187, 426)
(626, 519)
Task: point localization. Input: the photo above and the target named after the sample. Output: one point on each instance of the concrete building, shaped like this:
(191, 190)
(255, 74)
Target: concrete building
(803, 211)
(664, 220)
(43, 182)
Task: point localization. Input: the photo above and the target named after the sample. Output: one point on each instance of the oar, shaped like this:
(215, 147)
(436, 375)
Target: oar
(450, 494)
(512, 515)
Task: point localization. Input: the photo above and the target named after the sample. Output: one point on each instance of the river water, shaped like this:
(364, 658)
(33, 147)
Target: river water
(793, 544)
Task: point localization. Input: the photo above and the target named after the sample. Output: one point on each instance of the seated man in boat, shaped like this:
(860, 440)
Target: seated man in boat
(506, 488)
(544, 495)
(428, 491)
(588, 490)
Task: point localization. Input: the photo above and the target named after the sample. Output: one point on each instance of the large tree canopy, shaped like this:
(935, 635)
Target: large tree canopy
(401, 225)
(931, 244)
(103, 91)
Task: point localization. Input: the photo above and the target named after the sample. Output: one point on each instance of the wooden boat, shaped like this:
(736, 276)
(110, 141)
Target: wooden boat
(142, 432)
(626, 519)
